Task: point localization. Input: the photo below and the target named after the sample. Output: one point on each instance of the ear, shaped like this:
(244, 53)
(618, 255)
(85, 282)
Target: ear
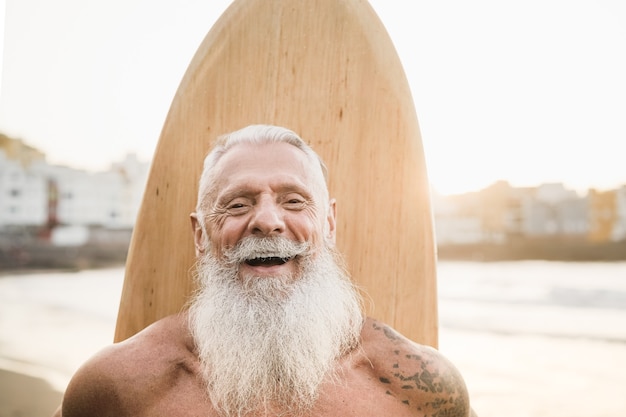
(331, 223)
(199, 238)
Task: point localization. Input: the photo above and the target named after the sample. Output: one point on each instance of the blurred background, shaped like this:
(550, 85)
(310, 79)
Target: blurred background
(521, 108)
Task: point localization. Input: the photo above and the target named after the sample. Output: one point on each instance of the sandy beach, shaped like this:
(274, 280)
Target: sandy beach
(523, 349)
(22, 395)
(524, 376)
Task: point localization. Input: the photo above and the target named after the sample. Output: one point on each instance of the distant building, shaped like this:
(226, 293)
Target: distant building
(619, 229)
(457, 221)
(554, 193)
(23, 190)
(567, 216)
(16, 150)
(603, 215)
(36, 194)
(501, 213)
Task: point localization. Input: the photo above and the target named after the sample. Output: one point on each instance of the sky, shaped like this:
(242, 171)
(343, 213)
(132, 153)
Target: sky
(528, 92)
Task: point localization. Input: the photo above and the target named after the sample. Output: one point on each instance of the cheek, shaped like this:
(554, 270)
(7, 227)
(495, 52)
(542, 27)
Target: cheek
(227, 233)
(307, 228)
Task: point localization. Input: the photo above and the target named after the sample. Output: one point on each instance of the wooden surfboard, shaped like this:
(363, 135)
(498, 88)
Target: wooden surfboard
(328, 70)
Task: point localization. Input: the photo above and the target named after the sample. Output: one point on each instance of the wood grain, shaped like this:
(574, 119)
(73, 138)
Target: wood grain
(328, 70)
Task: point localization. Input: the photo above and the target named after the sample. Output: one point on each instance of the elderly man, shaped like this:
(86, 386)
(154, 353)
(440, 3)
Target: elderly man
(276, 328)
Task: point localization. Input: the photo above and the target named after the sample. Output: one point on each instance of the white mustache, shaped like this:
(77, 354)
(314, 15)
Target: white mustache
(253, 247)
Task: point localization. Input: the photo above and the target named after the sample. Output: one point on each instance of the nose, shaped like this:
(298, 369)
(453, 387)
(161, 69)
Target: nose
(267, 218)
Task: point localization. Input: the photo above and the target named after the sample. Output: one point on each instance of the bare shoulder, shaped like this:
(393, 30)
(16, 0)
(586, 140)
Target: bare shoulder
(110, 382)
(418, 376)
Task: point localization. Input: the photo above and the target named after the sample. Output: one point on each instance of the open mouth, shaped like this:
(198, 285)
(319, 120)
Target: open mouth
(267, 261)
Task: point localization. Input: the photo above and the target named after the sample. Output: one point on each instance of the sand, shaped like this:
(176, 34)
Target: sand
(26, 396)
(539, 376)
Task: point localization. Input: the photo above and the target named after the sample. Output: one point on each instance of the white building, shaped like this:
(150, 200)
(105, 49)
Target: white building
(38, 194)
(566, 215)
(453, 225)
(23, 193)
(554, 193)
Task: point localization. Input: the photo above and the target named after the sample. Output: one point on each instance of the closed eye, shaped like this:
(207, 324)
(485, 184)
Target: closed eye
(294, 201)
(237, 207)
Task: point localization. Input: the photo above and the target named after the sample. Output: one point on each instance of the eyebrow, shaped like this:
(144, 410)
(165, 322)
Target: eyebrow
(248, 191)
(228, 195)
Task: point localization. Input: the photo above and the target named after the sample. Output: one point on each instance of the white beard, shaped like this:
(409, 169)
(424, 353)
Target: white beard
(268, 343)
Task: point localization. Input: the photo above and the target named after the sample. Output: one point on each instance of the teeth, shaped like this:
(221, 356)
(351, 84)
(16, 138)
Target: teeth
(265, 260)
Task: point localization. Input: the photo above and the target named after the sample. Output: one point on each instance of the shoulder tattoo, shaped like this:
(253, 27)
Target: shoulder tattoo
(423, 380)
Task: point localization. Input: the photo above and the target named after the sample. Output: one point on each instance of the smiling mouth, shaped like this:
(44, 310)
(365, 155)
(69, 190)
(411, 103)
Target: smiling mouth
(267, 261)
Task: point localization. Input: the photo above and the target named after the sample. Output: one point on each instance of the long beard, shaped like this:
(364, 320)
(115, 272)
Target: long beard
(268, 343)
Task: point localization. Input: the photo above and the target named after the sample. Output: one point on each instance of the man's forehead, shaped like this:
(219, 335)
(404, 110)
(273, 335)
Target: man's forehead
(247, 159)
(274, 154)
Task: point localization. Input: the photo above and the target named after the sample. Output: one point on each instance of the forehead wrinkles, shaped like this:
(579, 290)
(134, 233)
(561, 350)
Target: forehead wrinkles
(307, 172)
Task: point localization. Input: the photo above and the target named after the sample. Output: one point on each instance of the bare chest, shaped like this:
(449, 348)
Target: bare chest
(188, 398)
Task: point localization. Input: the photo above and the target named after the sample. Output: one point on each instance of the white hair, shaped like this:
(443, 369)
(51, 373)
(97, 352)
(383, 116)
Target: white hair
(254, 135)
